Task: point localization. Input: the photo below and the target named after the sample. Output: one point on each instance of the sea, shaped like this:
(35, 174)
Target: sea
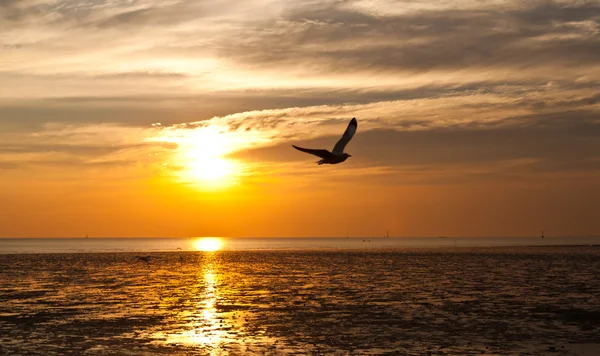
(72, 245)
(300, 296)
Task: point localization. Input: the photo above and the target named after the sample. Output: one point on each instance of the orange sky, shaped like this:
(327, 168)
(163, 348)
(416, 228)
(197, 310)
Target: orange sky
(176, 118)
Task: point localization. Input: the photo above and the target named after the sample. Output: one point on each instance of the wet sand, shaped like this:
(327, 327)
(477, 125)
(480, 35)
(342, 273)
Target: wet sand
(478, 301)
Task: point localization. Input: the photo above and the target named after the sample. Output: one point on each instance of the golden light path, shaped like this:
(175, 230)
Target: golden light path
(207, 328)
(211, 323)
(208, 244)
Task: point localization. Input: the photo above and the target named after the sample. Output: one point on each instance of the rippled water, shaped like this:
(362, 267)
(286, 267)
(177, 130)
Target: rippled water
(72, 245)
(522, 301)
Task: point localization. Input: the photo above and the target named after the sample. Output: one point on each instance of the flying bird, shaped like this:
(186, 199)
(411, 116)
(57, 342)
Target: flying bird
(337, 155)
(144, 258)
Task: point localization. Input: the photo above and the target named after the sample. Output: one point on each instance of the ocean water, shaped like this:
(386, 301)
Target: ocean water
(317, 300)
(70, 245)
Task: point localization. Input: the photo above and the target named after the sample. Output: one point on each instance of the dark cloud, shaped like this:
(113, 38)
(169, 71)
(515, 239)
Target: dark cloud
(77, 150)
(342, 40)
(554, 139)
(18, 10)
(24, 13)
(138, 16)
(142, 75)
(332, 37)
(562, 104)
(158, 15)
(84, 14)
(24, 155)
(148, 109)
(562, 141)
(169, 109)
(8, 165)
(33, 116)
(103, 15)
(70, 163)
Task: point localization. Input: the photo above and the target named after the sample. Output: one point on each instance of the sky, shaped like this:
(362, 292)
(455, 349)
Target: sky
(176, 118)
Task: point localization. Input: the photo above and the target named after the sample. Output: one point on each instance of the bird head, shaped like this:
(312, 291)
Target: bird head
(347, 155)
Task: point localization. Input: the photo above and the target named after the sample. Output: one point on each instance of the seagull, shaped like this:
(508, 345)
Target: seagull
(144, 258)
(337, 155)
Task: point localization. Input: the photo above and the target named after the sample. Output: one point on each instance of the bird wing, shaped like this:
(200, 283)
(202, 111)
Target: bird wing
(319, 153)
(346, 137)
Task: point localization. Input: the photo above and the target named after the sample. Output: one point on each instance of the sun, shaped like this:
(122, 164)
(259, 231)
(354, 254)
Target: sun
(208, 244)
(202, 156)
(211, 171)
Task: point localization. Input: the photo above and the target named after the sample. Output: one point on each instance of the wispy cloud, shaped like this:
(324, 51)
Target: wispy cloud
(276, 45)
(72, 147)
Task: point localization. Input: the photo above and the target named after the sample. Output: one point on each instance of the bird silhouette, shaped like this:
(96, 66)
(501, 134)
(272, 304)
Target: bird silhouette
(144, 258)
(337, 155)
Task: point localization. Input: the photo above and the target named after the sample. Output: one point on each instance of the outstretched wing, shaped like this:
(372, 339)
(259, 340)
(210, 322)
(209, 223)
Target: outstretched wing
(319, 153)
(341, 144)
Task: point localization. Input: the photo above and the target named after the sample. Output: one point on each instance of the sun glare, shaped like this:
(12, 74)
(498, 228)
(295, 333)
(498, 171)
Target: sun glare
(208, 244)
(202, 156)
(210, 170)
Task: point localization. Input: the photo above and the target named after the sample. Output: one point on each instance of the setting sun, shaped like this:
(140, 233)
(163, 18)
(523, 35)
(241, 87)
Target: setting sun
(208, 244)
(211, 170)
(201, 156)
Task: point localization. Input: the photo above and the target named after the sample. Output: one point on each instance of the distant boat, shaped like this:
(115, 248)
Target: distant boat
(542, 234)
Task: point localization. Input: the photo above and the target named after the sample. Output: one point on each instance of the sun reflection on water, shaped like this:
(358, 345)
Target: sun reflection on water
(207, 328)
(213, 319)
(208, 244)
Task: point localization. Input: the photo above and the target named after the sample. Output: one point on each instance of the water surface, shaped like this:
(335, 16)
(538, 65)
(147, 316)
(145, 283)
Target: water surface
(67, 245)
(443, 301)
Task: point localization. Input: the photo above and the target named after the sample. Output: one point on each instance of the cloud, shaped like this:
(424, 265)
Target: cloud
(8, 165)
(335, 37)
(276, 54)
(73, 146)
(76, 150)
(269, 73)
(566, 142)
(141, 75)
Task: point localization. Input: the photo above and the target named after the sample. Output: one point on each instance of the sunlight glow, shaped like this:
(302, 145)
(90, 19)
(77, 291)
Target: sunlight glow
(211, 170)
(201, 155)
(208, 244)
